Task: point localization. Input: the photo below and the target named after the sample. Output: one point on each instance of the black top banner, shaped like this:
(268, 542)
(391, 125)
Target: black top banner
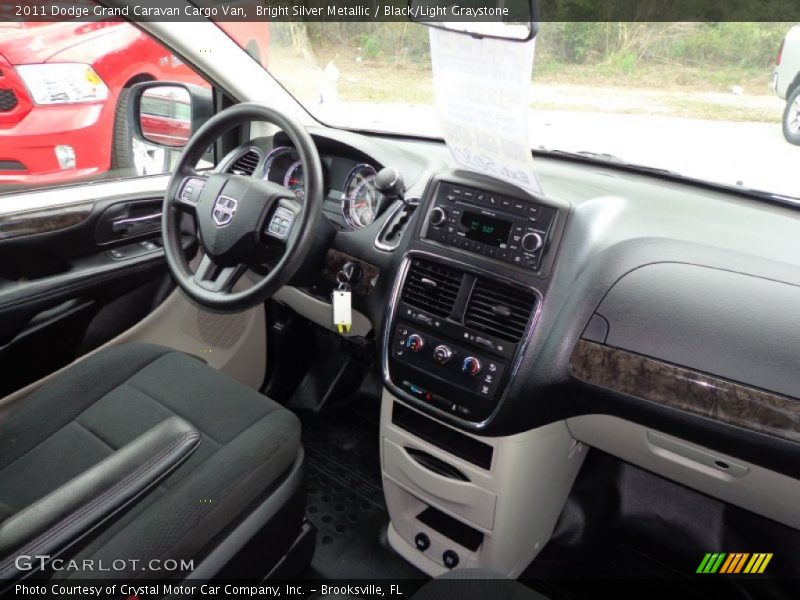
(401, 10)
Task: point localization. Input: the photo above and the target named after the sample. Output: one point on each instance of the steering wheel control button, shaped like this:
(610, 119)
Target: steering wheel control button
(471, 366)
(450, 559)
(190, 192)
(415, 342)
(442, 354)
(281, 223)
(422, 542)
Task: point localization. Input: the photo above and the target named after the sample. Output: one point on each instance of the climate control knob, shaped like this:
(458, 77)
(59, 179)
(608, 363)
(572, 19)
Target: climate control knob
(438, 217)
(415, 342)
(531, 242)
(471, 366)
(442, 353)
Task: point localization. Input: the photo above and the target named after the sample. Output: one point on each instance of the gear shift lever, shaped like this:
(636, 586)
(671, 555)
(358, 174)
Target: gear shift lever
(390, 183)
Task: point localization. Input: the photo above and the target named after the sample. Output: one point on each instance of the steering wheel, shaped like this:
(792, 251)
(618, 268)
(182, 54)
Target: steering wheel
(241, 221)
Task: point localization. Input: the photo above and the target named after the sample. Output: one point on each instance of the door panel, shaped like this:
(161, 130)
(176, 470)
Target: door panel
(70, 280)
(68, 290)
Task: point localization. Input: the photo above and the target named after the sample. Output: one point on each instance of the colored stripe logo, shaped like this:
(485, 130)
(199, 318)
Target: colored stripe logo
(732, 563)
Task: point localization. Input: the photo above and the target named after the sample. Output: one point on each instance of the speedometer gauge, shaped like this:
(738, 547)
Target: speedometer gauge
(361, 199)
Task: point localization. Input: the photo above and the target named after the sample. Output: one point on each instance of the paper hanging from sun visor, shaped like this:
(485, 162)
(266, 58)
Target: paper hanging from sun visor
(482, 89)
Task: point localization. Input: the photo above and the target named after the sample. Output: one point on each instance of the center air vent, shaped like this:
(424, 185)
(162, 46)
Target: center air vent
(432, 287)
(499, 309)
(246, 164)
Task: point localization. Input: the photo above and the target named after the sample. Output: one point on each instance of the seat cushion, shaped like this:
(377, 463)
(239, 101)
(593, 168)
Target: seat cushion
(104, 402)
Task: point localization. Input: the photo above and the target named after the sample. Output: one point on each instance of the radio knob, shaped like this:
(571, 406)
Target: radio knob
(415, 342)
(438, 217)
(471, 366)
(442, 353)
(531, 242)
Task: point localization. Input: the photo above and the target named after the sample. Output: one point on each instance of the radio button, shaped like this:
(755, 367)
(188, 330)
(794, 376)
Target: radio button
(438, 217)
(531, 242)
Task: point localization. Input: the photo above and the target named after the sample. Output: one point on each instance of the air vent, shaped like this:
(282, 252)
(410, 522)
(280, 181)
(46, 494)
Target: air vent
(246, 164)
(432, 287)
(499, 309)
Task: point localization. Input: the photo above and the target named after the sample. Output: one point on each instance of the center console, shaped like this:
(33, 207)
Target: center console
(464, 309)
(456, 336)
(462, 314)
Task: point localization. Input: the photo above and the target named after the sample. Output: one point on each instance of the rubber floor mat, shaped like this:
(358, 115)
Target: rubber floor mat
(345, 498)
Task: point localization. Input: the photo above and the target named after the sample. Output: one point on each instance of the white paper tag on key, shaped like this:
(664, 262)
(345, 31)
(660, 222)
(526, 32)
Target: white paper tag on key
(342, 311)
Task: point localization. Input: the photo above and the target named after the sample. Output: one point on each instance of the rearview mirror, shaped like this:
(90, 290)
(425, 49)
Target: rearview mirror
(513, 20)
(167, 114)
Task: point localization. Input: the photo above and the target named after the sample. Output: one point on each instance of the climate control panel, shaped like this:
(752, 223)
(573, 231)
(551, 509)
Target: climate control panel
(432, 368)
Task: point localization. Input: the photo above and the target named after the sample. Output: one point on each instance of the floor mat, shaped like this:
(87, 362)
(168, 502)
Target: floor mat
(345, 497)
(622, 523)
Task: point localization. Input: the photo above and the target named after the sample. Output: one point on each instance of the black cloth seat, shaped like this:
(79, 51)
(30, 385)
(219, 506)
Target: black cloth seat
(247, 446)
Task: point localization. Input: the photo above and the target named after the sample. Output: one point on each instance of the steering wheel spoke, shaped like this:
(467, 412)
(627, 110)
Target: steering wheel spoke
(215, 278)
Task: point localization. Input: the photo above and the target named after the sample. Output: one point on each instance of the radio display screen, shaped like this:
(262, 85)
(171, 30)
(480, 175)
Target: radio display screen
(485, 229)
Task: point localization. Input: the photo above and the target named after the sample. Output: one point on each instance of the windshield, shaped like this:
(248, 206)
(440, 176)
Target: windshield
(700, 99)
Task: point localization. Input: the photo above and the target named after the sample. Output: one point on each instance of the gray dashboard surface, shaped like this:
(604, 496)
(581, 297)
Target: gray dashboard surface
(735, 326)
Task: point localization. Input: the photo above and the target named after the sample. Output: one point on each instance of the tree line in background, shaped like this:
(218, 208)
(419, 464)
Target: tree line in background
(624, 45)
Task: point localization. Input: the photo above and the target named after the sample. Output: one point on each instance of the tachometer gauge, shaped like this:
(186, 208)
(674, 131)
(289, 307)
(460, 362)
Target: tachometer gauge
(361, 199)
(294, 180)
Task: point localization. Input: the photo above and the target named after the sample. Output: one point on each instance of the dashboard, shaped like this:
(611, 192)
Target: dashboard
(497, 311)
(351, 200)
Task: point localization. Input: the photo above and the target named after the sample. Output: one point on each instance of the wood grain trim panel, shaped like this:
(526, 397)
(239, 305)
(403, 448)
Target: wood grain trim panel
(43, 221)
(335, 260)
(687, 390)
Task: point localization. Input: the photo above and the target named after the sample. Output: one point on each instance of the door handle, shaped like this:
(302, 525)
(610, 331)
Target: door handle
(132, 225)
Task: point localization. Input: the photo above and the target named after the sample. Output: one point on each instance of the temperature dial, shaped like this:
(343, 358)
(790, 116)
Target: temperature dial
(471, 366)
(442, 353)
(415, 342)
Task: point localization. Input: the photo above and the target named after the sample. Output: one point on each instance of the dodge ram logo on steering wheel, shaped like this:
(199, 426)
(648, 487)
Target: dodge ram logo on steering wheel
(223, 211)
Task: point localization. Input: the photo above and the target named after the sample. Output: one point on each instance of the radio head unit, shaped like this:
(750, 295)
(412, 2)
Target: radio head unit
(511, 230)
